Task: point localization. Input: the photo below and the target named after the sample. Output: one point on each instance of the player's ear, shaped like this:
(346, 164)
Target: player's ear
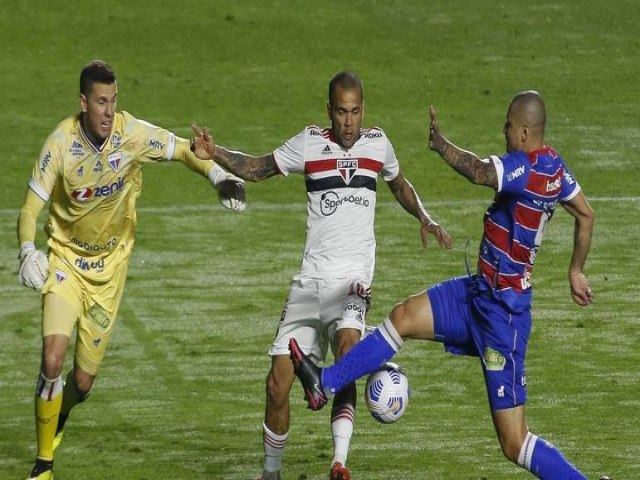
(83, 103)
(525, 131)
(329, 110)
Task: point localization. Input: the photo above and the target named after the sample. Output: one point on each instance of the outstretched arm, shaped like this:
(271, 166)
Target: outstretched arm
(245, 166)
(407, 196)
(579, 208)
(231, 191)
(467, 164)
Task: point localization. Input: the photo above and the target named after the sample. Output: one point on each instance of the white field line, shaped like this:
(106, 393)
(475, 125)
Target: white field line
(300, 205)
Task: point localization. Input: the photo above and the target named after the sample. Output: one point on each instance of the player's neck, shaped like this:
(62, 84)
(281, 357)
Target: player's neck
(90, 135)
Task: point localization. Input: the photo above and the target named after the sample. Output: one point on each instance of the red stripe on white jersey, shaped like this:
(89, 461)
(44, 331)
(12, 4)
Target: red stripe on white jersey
(318, 166)
(327, 164)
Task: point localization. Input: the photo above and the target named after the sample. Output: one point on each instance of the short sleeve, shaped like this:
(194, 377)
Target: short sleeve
(391, 167)
(290, 156)
(47, 168)
(511, 169)
(156, 144)
(570, 187)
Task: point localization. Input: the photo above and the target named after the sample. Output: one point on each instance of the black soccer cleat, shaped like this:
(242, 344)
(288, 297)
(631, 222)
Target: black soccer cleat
(42, 470)
(309, 375)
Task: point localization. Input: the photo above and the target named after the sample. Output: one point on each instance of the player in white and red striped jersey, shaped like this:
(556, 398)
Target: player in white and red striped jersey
(328, 298)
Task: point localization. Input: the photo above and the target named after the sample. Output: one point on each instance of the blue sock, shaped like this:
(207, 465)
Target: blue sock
(545, 461)
(365, 357)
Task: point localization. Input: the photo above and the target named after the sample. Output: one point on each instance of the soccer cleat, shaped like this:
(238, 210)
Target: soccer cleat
(339, 472)
(42, 470)
(309, 375)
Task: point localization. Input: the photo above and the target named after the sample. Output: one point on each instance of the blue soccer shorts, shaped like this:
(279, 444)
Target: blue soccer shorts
(468, 320)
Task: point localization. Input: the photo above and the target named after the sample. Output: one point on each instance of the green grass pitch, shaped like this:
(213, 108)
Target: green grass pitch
(181, 392)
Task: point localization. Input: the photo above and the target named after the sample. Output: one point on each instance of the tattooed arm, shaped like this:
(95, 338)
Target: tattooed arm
(247, 167)
(467, 164)
(407, 196)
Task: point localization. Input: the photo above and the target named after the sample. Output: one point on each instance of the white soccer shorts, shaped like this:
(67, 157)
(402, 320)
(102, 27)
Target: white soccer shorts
(315, 309)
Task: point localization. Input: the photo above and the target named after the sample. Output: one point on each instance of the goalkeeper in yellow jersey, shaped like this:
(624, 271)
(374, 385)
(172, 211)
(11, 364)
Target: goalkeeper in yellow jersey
(90, 173)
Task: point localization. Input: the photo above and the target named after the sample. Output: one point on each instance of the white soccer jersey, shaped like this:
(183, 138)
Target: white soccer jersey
(341, 197)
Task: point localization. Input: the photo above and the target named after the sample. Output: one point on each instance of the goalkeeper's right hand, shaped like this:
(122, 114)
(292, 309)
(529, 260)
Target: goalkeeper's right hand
(34, 267)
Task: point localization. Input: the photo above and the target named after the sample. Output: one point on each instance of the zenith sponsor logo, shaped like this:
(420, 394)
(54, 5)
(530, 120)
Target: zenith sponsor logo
(86, 194)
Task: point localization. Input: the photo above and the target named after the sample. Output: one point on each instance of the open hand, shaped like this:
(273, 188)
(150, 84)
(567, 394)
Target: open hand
(442, 237)
(202, 145)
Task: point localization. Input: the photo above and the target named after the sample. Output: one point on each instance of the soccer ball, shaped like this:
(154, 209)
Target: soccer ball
(387, 393)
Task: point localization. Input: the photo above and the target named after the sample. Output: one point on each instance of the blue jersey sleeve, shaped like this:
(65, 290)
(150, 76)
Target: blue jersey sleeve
(570, 187)
(514, 172)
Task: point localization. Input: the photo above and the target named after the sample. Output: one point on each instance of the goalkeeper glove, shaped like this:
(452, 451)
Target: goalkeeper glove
(34, 267)
(231, 192)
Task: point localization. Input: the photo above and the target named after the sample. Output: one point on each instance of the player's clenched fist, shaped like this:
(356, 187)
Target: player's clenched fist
(34, 267)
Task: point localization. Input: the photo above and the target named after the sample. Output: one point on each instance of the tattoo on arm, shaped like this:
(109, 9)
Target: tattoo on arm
(245, 166)
(470, 166)
(407, 196)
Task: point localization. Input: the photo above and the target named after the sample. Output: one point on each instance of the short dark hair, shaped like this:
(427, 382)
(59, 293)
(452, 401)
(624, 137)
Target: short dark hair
(96, 71)
(346, 80)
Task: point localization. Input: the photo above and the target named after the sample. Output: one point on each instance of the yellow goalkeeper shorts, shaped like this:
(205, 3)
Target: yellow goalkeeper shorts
(94, 306)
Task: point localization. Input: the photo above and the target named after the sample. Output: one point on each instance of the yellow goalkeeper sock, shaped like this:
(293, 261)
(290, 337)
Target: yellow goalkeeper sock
(48, 402)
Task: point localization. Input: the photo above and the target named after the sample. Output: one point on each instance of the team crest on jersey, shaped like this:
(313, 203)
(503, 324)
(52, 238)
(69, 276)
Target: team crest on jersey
(60, 276)
(114, 161)
(347, 169)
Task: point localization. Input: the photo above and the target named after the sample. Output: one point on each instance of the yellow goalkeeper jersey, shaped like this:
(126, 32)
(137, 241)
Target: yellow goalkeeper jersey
(93, 190)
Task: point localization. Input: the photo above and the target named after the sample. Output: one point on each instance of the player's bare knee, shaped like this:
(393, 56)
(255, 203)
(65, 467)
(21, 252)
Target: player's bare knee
(345, 340)
(399, 318)
(511, 448)
(83, 385)
(52, 363)
(277, 389)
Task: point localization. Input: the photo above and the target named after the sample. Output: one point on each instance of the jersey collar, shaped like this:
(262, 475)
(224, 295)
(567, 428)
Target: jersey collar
(87, 139)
